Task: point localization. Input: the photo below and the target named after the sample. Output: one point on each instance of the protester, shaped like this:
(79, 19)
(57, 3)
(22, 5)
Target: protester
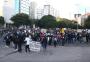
(62, 39)
(44, 43)
(87, 37)
(51, 38)
(27, 42)
(7, 39)
(55, 41)
(19, 41)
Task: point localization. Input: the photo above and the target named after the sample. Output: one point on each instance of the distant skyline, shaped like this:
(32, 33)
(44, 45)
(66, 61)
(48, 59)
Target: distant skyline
(65, 8)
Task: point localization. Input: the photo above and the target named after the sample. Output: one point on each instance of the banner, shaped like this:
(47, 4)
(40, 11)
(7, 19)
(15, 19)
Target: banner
(35, 46)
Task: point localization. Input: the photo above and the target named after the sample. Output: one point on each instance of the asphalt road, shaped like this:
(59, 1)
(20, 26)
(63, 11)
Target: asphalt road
(58, 54)
(67, 53)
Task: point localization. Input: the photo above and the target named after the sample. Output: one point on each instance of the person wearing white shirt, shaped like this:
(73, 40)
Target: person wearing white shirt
(27, 40)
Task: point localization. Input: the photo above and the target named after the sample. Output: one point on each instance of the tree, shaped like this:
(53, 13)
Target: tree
(47, 21)
(65, 23)
(1, 20)
(87, 23)
(21, 19)
(61, 24)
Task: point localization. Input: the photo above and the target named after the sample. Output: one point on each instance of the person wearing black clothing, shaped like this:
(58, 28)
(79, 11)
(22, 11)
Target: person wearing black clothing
(7, 40)
(19, 41)
(50, 41)
(15, 41)
(62, 39)
(87, 37)
(55, 42)
(44, 43)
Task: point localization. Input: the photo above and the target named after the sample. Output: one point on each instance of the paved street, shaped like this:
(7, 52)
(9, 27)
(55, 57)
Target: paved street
(59, 54)
(67, 53)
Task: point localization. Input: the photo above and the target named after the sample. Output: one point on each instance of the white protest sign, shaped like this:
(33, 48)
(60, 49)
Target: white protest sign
(35, 46)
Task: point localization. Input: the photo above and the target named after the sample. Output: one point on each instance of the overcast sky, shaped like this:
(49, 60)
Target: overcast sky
(66, 8)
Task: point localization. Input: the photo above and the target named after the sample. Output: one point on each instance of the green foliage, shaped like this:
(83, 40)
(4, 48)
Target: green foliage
(65, 23)
(21, 19)
(47, 21)
(2, 20)
(87, 23)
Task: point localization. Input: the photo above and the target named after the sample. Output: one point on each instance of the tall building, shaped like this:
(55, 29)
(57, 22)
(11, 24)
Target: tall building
(78, 18)
(8, 10)
(22, 6)
(32, 10)
(17, 6)
(39, 13)
(46, 10)
(49, 10)
(12, 7)
(83, 18)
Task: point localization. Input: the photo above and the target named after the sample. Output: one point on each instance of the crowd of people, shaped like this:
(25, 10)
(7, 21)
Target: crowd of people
(20, 37)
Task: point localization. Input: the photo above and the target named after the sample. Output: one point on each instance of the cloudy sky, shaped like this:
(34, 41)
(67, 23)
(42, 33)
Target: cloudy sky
(66, 8)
